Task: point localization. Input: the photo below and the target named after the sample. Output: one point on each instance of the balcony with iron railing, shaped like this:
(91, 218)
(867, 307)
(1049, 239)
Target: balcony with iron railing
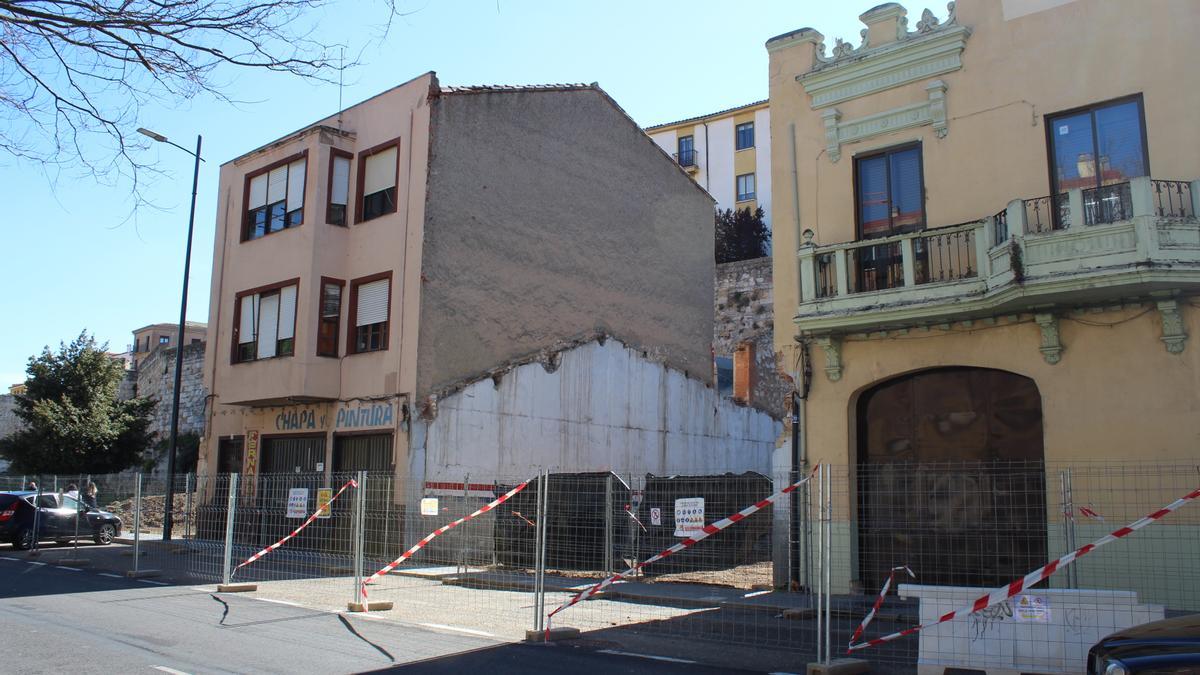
(689, 160)
(1139, 237)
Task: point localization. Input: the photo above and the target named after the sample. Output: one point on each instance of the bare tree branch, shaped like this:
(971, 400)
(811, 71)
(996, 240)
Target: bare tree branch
(75, 73)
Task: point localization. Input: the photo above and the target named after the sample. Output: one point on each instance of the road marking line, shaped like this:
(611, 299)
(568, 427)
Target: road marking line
(4, 557)
(617, 652)
(34, 562)
(156, 583)
(172, 671)
(751, 595)
(73, 569)
(468, 631)
(280, 602)
(111, 576)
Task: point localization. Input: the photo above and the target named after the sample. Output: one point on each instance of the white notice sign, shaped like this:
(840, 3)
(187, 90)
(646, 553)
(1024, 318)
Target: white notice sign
(429, 506)
(297, 503)
(655, 515)
(1033, 609)
(689, 516)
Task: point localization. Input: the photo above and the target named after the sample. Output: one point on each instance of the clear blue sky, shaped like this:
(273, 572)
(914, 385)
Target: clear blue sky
(70, 263)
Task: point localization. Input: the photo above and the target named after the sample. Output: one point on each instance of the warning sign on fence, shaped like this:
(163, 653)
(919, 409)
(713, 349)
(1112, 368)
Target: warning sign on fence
(297, 506)
(429, 506)
(1033, 609)
(689, 516)
(324, 496)
(655, 515)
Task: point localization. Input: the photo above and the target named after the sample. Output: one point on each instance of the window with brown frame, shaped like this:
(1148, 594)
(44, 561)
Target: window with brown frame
(370, 298)
(274, 197)
(330, 316)
(339, 187)
(264, 322)
(890, 190)
(378, 169)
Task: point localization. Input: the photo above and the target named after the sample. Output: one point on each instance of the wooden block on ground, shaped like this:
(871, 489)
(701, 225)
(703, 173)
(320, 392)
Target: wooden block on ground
(143, 574)
(377, 606)
(236, 588)
(555, 634)
(75, 562)
(840, 667)
(797, 613)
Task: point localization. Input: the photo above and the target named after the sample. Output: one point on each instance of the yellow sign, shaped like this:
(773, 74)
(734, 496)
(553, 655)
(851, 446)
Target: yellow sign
(324, 496)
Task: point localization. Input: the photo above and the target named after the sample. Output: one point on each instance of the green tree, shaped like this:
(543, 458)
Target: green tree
(740, 235)
(73, 420)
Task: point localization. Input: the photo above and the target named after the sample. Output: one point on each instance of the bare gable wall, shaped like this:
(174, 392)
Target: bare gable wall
(550, 215)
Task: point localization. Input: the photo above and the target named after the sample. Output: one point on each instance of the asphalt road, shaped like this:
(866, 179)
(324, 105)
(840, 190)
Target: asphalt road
(59, 619)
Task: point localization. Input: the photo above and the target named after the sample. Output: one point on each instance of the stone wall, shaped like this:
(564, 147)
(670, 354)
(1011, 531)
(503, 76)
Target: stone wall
(9, 422)
(156, 379)
(745, 313)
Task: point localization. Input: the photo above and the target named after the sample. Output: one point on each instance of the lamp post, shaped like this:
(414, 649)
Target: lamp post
(169, 502)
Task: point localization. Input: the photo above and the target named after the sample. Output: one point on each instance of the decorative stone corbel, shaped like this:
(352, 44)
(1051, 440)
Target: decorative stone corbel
(1052, 346)
(937, 107)
(1173, 333)
(833, 144)
(832, 345)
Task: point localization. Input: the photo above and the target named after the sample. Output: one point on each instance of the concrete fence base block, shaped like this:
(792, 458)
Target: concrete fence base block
(799, 613)
(236, 588)
(129, 554)
(556, 634)
(840, 667)
(378, 606)
(143, 574)
(75, 562)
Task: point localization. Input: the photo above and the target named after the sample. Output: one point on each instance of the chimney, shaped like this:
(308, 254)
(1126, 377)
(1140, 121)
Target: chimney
(886, 23)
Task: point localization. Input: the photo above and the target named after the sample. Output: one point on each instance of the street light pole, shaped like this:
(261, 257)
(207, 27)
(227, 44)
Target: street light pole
(169, 502)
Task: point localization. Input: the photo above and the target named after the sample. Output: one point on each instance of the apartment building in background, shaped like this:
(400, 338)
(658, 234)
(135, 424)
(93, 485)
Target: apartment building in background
(999, 264)
(163, 335)
(426, 284)
(728, 153)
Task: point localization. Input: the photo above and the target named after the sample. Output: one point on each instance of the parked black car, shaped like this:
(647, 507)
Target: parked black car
(55, 518)
(1167, 646)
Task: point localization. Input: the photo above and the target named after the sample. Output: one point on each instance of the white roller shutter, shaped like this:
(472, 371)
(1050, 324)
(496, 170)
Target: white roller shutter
(372, 303)
(258, 192)
(380, 171)
(340, 190)
(277, 185)
(295, 188)
(268, 323)
(246, 321)
(287, 312)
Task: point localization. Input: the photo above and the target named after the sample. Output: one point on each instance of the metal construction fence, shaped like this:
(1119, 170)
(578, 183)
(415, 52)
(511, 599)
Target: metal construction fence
(976, 557)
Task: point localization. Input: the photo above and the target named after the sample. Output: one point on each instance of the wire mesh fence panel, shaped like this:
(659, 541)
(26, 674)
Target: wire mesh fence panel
(719, 589)
(986, 542)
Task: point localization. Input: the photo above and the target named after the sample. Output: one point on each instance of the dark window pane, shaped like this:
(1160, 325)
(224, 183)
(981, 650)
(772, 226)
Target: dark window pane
(336, 215)
(276, 215)
(370, 338)
(873, 200)
(285, 347)
(724, 376)
(331, 300)
(295, 218)
(258, 222)
(1074, 154)
(745, 136)
(379, 203)
(1119, 132)
(685, 145)
(246, 351)
(906, 189)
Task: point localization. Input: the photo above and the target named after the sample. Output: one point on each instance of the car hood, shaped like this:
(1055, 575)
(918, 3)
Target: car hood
(1158, 643)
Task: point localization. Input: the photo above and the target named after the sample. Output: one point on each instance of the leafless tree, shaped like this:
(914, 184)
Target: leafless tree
(74, 73)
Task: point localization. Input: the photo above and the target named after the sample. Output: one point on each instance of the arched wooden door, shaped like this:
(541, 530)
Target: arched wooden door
(951, 479)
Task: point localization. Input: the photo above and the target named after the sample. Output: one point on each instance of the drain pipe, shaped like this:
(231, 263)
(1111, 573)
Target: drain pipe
(801, 531)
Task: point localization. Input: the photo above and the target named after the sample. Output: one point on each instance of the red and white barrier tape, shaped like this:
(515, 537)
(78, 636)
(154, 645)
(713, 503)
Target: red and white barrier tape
(879, 601)
(707, 531)
(306, 523)
(438, 532)
(629, 512)
(1005, 592)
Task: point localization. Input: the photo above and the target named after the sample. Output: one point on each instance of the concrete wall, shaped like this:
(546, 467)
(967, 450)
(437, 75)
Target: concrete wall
(156, 380)
(550, 215)
(605, 407)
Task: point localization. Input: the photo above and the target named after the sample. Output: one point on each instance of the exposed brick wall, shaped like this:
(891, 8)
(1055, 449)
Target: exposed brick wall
(156, 379)
(745, 314)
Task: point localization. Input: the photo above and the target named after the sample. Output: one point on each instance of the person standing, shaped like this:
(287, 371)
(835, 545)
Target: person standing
(73, 491)
(89, 496)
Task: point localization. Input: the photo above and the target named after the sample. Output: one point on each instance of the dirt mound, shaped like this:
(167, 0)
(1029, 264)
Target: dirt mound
(152, 510)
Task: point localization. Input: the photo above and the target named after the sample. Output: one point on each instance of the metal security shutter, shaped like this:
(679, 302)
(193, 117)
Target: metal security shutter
(295, 188)
(363, 453)
(380, 171)
(258, 192)
(372, 303)
(287, 312)
(340, 189)
(268, 323)
(277, 185)
(286, 455)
